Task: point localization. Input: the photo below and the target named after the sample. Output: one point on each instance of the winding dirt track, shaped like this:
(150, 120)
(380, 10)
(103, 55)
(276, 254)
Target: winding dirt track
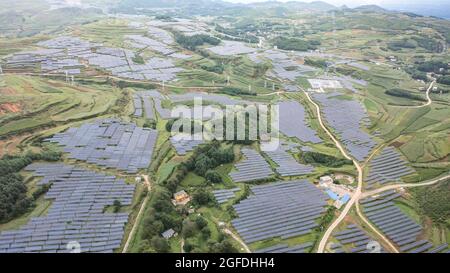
(139, 216)
(429, 101)
(235, 237)
(357, 192)
(404, 185)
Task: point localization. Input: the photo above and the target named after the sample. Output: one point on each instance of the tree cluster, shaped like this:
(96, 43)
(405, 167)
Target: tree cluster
(194, 41)
(324, 159)
(13, 191)
(397, 92)
(296, 44)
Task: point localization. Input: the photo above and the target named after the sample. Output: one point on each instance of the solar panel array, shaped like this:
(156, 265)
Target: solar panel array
(63, 53)
(143, 103)
(398, 226)
(109, 143)
(231, 48)
(160, 40)
(60, 56)
(293, 122)
(337, 248)
(255, 57)
(285, 67)
(180, 56)
(284, 248)
(354, 238)
(253, 167)
(359, 65)
(287, 165)
(387, 167)
(158, 46)
(282, 209)
(148, 107)
(163, 112)
(161, 35)
(76, 214)
(186, 26)
(137, 102)
(151, 93)
(223, 196)
(184, 146)
(347, 117)
(291, 88)
(214, 98)
(443, 248)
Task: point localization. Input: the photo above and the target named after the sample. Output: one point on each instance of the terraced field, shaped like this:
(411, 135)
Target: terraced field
(45, 103)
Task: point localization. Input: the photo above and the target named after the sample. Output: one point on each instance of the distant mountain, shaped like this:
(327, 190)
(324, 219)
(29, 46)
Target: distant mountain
(173, 3)
(185, 7)
(193, 6)
(219, 7)
(371, 8)
(317, 5)
(441, 10)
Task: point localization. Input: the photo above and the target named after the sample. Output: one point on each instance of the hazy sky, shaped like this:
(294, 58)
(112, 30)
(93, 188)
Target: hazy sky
(353, 3)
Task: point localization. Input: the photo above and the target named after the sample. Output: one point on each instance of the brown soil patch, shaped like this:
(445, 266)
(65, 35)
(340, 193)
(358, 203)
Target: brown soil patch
(56, 84)
(8, 91)
(9, 146)
(397, 144)
(348, 220)
(427, 228)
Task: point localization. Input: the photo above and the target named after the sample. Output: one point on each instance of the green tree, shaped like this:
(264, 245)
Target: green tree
(213, 176)
(117, 205)
(160, 244)
(202, 198)
(200, 222)
(189, 228)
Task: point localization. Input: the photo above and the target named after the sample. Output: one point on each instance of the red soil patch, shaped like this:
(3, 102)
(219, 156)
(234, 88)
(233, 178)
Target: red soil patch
(10, 108)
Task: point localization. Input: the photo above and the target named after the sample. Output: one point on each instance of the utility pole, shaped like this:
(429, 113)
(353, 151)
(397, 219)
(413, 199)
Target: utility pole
(73, 80)
(163, 84)
(67, 76)
(1, 70)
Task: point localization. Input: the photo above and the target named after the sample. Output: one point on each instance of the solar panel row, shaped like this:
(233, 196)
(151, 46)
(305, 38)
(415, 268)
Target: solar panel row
(347, 117)
(284, 248)
(387, 167)
(253, 167)
(287, 165)
(282, 209)
(355, 240)
(293, 122)
(76, 214)
(109, 143)
(223, 196)
(285, 67)
(398, 226)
